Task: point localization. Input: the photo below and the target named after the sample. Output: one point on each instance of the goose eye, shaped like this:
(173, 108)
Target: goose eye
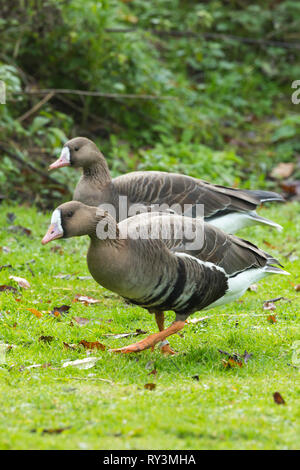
(76, 149)
(69, 214)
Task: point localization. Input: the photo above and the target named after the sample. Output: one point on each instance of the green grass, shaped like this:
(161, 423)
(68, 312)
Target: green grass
(228, 408)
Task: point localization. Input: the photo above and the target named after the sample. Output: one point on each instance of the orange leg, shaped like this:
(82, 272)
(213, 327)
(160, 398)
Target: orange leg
(160, 320)
(152, 340)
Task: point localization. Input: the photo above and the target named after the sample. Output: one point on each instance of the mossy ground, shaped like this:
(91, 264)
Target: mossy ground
(227, 408)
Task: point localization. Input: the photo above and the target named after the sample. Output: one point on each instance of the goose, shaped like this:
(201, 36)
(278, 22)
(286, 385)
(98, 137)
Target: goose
(227, 208)
(162, 262)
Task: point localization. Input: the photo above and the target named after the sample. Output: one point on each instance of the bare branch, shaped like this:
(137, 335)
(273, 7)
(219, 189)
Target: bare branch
(91, 93)
(36, 107)
(220, 36)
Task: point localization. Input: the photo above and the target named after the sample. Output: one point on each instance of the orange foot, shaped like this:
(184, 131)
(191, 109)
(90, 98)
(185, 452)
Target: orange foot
(167, 350)
(132, 348)
(152, 340)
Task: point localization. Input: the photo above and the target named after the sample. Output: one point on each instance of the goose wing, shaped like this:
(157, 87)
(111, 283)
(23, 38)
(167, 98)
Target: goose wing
(196, 238)
(154, 187)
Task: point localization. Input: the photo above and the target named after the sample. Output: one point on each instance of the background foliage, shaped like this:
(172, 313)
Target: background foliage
(223, 112)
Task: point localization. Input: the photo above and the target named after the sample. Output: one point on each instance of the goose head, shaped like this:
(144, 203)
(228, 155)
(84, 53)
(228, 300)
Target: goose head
(74, 219)
(79, 152)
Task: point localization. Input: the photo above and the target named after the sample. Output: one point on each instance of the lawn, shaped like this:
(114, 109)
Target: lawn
(199, 402)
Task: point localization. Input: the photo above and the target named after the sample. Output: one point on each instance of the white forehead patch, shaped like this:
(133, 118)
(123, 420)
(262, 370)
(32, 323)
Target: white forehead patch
(65, 154)
(56, 220)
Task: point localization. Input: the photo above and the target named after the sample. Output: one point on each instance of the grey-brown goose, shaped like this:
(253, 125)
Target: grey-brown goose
(226, 208)
(166, 271)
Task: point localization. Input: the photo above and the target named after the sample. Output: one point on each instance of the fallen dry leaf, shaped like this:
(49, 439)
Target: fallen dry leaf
(92, 345)
(20, 230)
(55, 431)
(231, 363)
(4, 288)
(21, 282)
(282, 170)
(81, 321)
(85, 300)
(193, 321)
(253, 288)
(86, 363)
(57, 249)
(278, 398)
(150, 386)
(297, 288)
(35, 312)
(233, 359)
(269, 306)
(70, 346)
(46, 339)
(59, 311)
(292, 188)
(272, 318)
(270, 245)
(153, 372)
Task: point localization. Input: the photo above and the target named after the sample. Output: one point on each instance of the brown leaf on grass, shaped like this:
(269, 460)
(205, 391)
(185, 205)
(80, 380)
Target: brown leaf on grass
(231, 363)
(46, 339)
(4, 288)
(272, 318)
(19, 229)
(57, 249)
(85, 299)
(70, 346)
(21, 282)
(233, 359)
(59, 311)
(35, 312)
(150, 386)
(291, 187)
(193, 321)
(153, 372)
(81, 321)
(253, 288)
(269, 245)
(269, 306)
(92, 345)
(56, 431)
(86, 363)
(297, 288)
(282, 170)
(278, 398)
